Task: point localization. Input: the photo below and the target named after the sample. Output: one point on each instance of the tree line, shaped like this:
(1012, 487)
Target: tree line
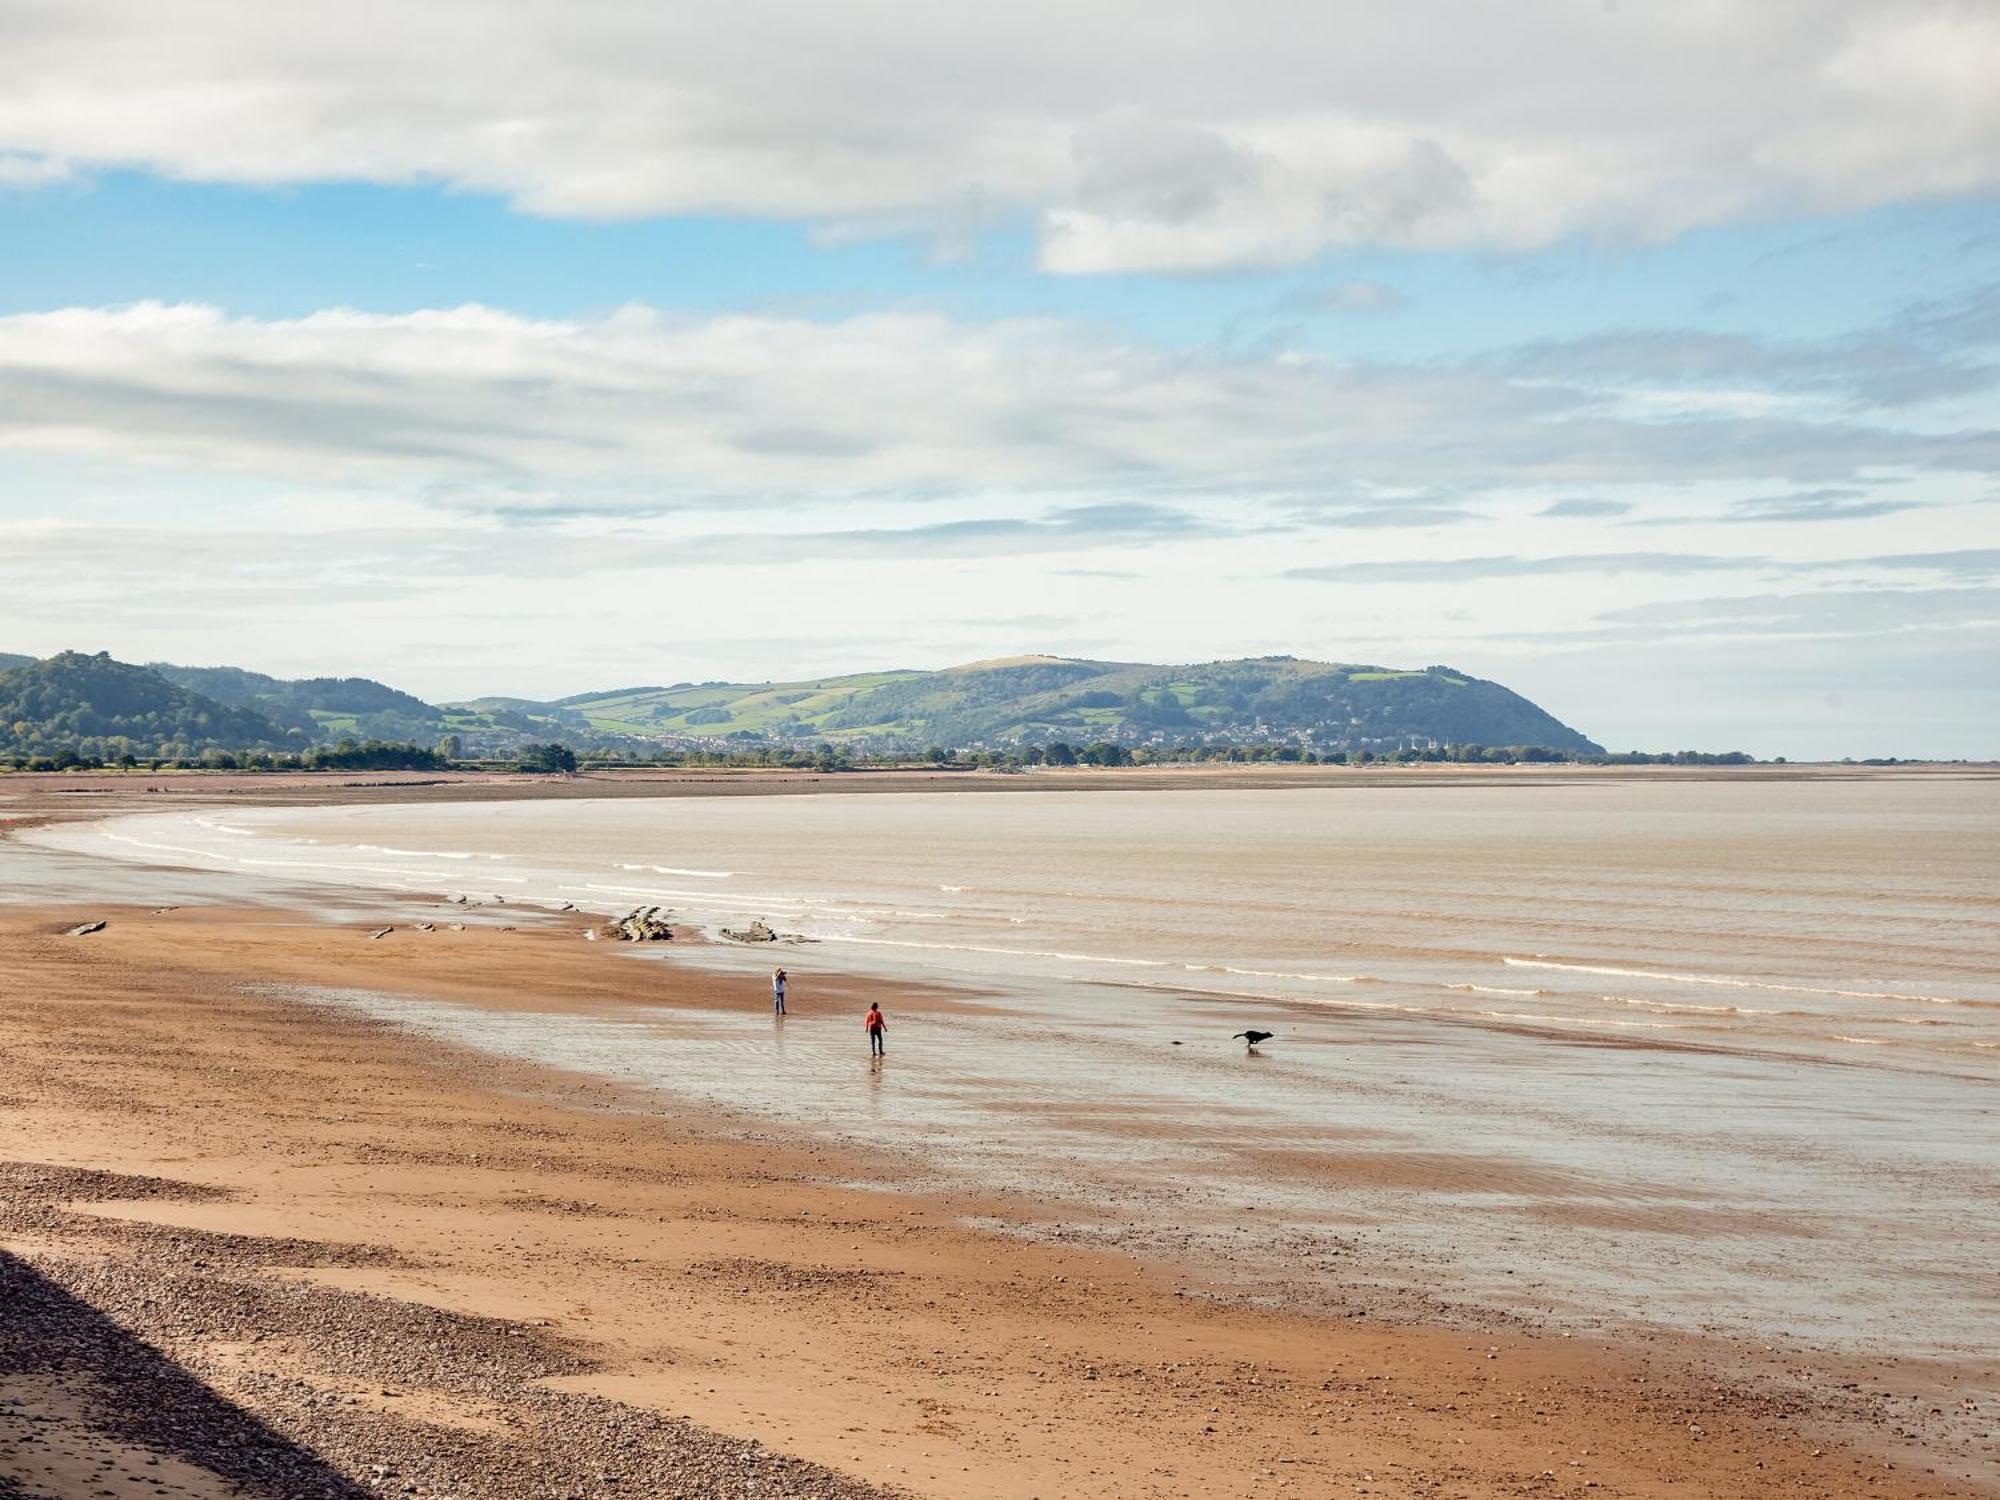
(348, 755)
(115, 753)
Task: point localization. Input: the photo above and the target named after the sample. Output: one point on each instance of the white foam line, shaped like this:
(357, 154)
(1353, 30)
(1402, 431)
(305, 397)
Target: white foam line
(232, 831)
(1540, 1019)
(384, 876)
(1327, 1002)
(1669, 1007)
(237, 862)
(677, 870)
(1536, 1018)
(1730, 982)
(765, 903)
(842, 909)
(1274, 974)
(1074, 958)
(762, 903)
(415, 853)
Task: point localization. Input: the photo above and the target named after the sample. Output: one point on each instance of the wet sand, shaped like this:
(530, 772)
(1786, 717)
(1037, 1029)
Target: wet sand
(314, 1181)
(37, 796)
(1741, 1008)
(273, 1247)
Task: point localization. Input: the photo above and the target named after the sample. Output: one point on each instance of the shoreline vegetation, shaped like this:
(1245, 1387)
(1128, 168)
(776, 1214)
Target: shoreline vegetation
(378, 755)
(560, 759)
(263, 1246)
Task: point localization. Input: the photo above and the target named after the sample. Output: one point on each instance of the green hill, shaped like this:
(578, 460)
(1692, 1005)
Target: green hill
(9, 661)
(74, 702)
(487, 724)
(1040, 698)
(320, 708)
(94, 706)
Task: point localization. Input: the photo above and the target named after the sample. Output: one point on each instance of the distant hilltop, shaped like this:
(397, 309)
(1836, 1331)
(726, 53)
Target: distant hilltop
(98, 707)
(1323, 706)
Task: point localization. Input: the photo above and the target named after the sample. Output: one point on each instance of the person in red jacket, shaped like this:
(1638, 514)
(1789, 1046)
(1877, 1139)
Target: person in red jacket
(875, 1025)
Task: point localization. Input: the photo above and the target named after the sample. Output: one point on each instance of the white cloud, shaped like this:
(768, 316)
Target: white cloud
(19, 170)
(1175, 135)
(467, 500)
(485, 410)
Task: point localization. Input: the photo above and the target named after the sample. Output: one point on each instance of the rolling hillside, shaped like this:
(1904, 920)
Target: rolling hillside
(96, 706)
(1030, 700)
(323, 709)
(1037, 698)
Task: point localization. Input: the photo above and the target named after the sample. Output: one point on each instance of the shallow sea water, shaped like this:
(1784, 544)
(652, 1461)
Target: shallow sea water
(1716, 1055)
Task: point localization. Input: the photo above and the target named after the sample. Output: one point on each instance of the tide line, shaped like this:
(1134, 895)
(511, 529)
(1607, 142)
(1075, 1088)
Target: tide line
(1727, 981)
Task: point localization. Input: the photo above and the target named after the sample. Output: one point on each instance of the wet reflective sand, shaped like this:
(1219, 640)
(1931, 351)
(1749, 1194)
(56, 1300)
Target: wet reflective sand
(1715, 1056)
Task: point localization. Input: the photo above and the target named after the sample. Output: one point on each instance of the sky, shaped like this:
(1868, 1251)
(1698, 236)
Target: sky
(1642, 356)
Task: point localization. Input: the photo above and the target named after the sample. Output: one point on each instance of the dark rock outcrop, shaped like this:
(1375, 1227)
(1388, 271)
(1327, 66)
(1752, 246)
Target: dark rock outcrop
(643, 924)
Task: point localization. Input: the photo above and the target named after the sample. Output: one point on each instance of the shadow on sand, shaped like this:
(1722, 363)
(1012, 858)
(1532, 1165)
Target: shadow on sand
(123, 1391)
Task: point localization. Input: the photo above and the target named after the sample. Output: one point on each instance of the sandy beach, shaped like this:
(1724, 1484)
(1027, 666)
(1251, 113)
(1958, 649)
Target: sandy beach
(1071, 752)
(272, 1247)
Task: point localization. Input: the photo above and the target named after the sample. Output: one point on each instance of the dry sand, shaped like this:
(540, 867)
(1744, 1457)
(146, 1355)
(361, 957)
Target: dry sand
(249, 1246)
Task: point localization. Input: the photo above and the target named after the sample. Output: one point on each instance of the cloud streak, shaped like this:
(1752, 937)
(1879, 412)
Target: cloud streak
(648, 412)
(1817, 505)
(1454, 569)
(1584, 509)
(1068, 529)
(1969, 563)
